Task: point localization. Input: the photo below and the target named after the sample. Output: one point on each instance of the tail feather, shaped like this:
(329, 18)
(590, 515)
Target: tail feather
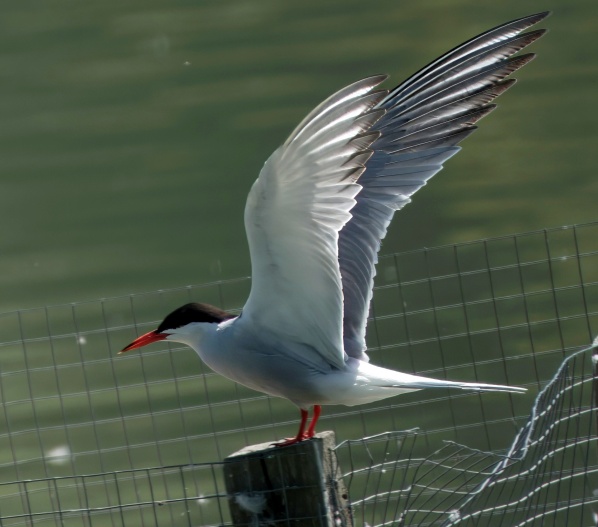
(364, 382)
(423, 382)
(385, 378)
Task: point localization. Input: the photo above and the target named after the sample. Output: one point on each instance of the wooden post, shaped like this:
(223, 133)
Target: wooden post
(298, 485)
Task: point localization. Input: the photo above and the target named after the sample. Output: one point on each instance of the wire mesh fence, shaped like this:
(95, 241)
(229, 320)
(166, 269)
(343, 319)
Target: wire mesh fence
(81, 426)
(548, 476)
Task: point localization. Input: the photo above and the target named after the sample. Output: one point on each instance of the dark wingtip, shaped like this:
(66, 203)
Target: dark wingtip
(535, 18)
(543, 15)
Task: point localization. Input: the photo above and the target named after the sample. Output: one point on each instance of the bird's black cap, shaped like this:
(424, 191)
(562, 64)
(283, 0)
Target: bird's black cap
(193, 312)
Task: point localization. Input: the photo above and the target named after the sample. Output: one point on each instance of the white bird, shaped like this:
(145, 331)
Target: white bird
(315, 218)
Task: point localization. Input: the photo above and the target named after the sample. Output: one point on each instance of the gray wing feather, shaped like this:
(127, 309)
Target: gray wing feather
(424, 119)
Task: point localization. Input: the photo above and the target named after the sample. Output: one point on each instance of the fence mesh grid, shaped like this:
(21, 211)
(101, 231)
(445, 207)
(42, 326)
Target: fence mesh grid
(81, 426)
(548, 476)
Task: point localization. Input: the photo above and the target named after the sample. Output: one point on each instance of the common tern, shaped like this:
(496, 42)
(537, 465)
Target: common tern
(315, 218)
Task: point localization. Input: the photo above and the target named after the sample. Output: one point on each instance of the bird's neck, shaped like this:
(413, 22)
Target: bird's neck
(194, 334)
(202, 336)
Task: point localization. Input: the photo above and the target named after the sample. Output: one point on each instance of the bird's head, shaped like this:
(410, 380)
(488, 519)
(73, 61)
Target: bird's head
(182, 325)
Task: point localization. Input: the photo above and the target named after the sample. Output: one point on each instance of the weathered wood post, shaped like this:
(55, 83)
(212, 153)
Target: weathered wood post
(298, 485)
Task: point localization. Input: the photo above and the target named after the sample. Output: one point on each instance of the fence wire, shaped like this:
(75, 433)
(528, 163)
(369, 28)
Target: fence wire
(549, 475)
(79, 426)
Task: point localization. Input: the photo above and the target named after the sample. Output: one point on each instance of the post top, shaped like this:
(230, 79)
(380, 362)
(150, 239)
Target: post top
(327, 437)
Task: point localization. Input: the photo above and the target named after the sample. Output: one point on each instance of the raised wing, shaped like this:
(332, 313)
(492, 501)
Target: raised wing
(300, 201)
(425, 117)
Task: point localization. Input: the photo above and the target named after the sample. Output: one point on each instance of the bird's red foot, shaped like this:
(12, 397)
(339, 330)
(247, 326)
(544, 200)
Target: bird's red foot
(302, 435)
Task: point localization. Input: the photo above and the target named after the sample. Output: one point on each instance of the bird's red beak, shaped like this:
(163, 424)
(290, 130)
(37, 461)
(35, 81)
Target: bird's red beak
(144, 340)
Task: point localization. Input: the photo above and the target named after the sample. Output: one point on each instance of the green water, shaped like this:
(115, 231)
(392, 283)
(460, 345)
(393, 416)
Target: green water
(132, 131)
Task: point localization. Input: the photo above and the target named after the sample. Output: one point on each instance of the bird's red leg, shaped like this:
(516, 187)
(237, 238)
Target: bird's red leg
(311, 431)
(300, 435)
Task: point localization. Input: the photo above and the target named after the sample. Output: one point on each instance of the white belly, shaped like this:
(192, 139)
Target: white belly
(263, 365)
(292, 370)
